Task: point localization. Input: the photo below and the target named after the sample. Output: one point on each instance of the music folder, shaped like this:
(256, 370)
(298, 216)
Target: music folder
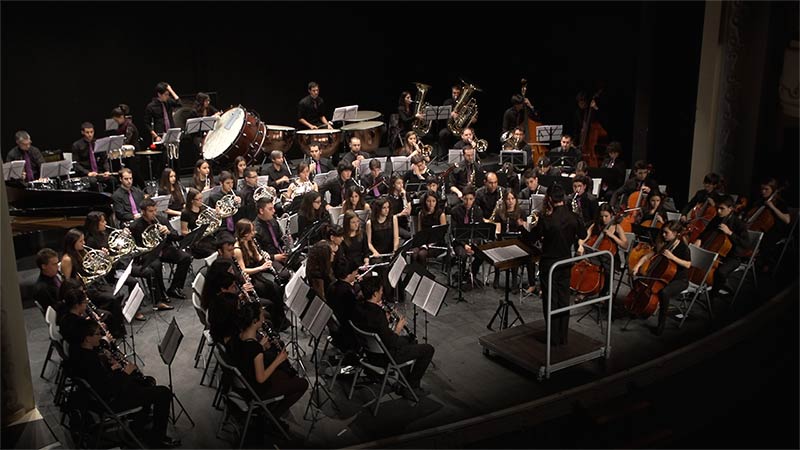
(106, 144)
(193, 236)
(132, 305)
(13, 170)
(125, 275)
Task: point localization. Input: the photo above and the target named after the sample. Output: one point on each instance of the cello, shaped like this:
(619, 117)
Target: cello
(631, 213)
(716, 242)
(642, 300)
(757, 219)
(700, 215)
(538, 149)
(591, 132)
(587, 278)
(643, 248)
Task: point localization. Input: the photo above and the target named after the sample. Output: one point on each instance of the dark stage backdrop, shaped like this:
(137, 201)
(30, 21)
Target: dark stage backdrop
(65, 64)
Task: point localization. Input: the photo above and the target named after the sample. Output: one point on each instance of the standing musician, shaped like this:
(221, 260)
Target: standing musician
(270, 236)
(370, 316)
(24, 151)
(674, 249)
(713, 187)
(115, 382)
(255, 267)
(466, 174)
(514, 116)
(125, 126)
(583, 199)
(299, 187)
(169, 254)
(319, 267)
(505, 216)
(382, 231)
(203, 247)
(278, 171)
(565, 154)
(466, 213)
(87, 163)
(489, 196)
(318, 164)
(169, 185)
(311, 109)
(338, 186)
(431, 214)
(532, 185)
(559, 231)
(375, 182)
(354, 247)
(158, 113)
(127, 198)
(226, 182)
(355, 201)
(401, 205)
(769, 214)
(45, 290)
(736, 231)
(641, 180)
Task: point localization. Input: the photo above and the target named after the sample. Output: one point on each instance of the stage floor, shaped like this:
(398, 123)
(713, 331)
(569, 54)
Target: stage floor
(462, 382)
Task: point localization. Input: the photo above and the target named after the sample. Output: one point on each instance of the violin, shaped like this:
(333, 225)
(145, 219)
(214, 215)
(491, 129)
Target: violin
(642, 300)
(587, 278)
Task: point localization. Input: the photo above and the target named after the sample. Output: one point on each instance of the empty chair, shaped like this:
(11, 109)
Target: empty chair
(702, 260)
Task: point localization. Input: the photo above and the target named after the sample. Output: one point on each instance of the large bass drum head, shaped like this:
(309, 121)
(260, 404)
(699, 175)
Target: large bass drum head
(224, 134)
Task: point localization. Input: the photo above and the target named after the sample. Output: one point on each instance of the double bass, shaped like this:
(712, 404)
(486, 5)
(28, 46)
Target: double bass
(538, 149)
(591, 132)
(642, 300)
(587, 278)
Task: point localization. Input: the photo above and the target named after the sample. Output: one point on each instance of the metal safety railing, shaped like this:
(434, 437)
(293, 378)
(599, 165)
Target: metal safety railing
(604, 351)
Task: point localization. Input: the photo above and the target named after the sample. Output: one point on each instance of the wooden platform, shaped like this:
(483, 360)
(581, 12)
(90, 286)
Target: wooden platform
(526, 346)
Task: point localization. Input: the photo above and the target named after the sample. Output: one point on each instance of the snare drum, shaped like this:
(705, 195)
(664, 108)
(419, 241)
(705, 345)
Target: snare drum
(279, 138)
(75, 184)
(327, 139)
(370, 133)
(45, 185)
(236, 133)
(361, 116)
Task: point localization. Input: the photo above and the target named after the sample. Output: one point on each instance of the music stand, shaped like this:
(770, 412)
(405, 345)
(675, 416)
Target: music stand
(315, 321)
(111, 125)
(548, 181)
(13, 170)
(455, 156)
(109, 144)
(546, 133)
(167, 349)
(129, 311)
(125, 274)
(162, 201)
(399, 164)
(55, 169)
(428, 294)
(505, 255)
(515, 157)
(193, 236)
(470, 233)
(200, 124)
(344, 113)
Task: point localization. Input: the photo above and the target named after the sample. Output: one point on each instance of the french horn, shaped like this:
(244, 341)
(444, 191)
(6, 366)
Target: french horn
(151, 236)
(227, 206)
(208, 216)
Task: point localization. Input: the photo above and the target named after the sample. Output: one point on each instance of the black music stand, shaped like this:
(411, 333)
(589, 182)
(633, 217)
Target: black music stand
(470, 233)
(200, 124)
(167, 349)
(547, 133)
(193, 236)
(505, 255)
(315, 321)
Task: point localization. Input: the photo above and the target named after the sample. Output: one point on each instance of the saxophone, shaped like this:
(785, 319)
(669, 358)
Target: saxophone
(421, 126)
(497, 204)
(466, 108)
(576, 208)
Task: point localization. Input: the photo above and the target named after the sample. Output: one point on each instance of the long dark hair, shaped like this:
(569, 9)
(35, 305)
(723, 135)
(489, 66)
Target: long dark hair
(92, 225)
(249, 252)
(307, 206)
(174, 191)
(70, 239)
(319, 260)
(198, 183)
(598, 221)
(375, 212)
(191, 193)
(348, 217)
(347, 204)
(503, 209)
(199, 99)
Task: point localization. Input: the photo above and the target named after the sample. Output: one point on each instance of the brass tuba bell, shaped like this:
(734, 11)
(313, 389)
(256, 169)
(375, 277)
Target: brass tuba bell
(421, 126)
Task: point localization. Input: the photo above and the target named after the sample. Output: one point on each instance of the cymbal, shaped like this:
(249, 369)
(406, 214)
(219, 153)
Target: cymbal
(149, 152)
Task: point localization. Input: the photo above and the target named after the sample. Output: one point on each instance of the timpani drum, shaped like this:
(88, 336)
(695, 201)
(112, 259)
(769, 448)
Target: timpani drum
(362, 116)
(238, 132)
(327, 139)
(279, 138)
(369, 131)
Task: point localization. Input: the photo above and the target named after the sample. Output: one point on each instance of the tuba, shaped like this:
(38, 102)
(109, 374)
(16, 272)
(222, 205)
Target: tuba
(421, 126)
(227, 206)
(466, 108)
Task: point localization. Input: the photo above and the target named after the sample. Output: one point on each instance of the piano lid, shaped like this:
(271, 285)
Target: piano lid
(56, 203)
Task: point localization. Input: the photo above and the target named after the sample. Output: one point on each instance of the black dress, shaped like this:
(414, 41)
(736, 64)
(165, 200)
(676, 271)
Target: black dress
(203, 247)
(355, 249)
(383, 236)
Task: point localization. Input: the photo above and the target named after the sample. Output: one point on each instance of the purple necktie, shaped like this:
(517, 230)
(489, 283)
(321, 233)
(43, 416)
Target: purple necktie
(272, 233)
(134, 211)
(229, 221)
(28, 168)
(466, 216)
(166, 116)
(57, 281)
(319, 168)
(375, 191)
(92, 160)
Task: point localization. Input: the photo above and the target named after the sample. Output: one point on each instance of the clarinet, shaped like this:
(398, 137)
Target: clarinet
(264, 255)
(113, 353)
(396, 318)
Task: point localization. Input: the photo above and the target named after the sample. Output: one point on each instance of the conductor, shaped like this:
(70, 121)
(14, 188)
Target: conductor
(559, 230)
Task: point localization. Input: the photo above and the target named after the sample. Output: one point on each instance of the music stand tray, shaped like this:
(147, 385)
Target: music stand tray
(546, 133)
(454, 156)
(13, 170)
(55, 169)
(505, 255)
(515, 157)
(344, 113)
(200, 124)
(167, 348)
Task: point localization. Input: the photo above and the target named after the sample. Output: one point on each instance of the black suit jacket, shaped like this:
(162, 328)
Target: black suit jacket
(80, 155)
(371, 318)
(17, 154)
(45, 291)
(122, 203)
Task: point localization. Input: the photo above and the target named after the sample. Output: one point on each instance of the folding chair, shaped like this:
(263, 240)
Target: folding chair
(56, 341)
(237, 399)
(198, 283)
(372, 343)
(103, 416)
(754, 238)
(702, 260)
(623, 259)
(210, 259)
(205, 338)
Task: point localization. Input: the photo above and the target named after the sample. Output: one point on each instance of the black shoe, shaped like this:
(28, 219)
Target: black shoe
(161, 306)
(496, 284)
(167, 442)
(176, 293)
(140, 317)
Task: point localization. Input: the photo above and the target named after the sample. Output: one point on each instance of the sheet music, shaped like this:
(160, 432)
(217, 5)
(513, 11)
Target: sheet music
(321, 318)
(312, 313)
(500, 254)
(397, 271)
(300, 300)
(13, 169)
(423, 292)
(132, 305)
(434, 300)
(124, 277)
(162, 201)
(411, 287)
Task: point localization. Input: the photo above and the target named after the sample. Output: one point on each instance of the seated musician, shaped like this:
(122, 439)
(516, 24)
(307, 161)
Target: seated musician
(223, 299)
(45, 290)
(299, 187)
(613, 160)
(311, 109)
(226, 182)
(335, 237)
(224, 262)
(517, 142)
(488, 196)
(354, 247)
(71, 312)
(611, 232)
(202, 178)
(318, 164)
(467, 213)
(505, 216)
(355, 155)
(127, 198)
(446, 136)
(654, 214)
(24, 151)
(247, 209)
(401, 205)
(125, 126)
(169, 184)
(375, 182)
(713, 187)
(419, 170)
(583, 199)
(203, 247)
(310, 212)
(467, 173)
(263, 365)
(100, 292)
(769, 202)
(467, 139)
(675, 250)
(87, 162)
(736, 231)
(341, 297)
(278, 172)
(255, 268)
(338, 186)
(565, 154)
(115, 381)
(532, 185)
(640, 180)
(158, 113)
(411, 146)
(169, 253)
(319, 267)
(544, 167)
(369, 316)
(355, 201)
(270, 237)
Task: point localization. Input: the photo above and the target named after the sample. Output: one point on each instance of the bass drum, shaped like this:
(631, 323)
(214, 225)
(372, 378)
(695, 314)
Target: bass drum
(236, 133)
(370, 132)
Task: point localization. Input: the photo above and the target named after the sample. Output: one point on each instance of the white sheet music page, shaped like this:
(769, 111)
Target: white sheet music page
(500, 254)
